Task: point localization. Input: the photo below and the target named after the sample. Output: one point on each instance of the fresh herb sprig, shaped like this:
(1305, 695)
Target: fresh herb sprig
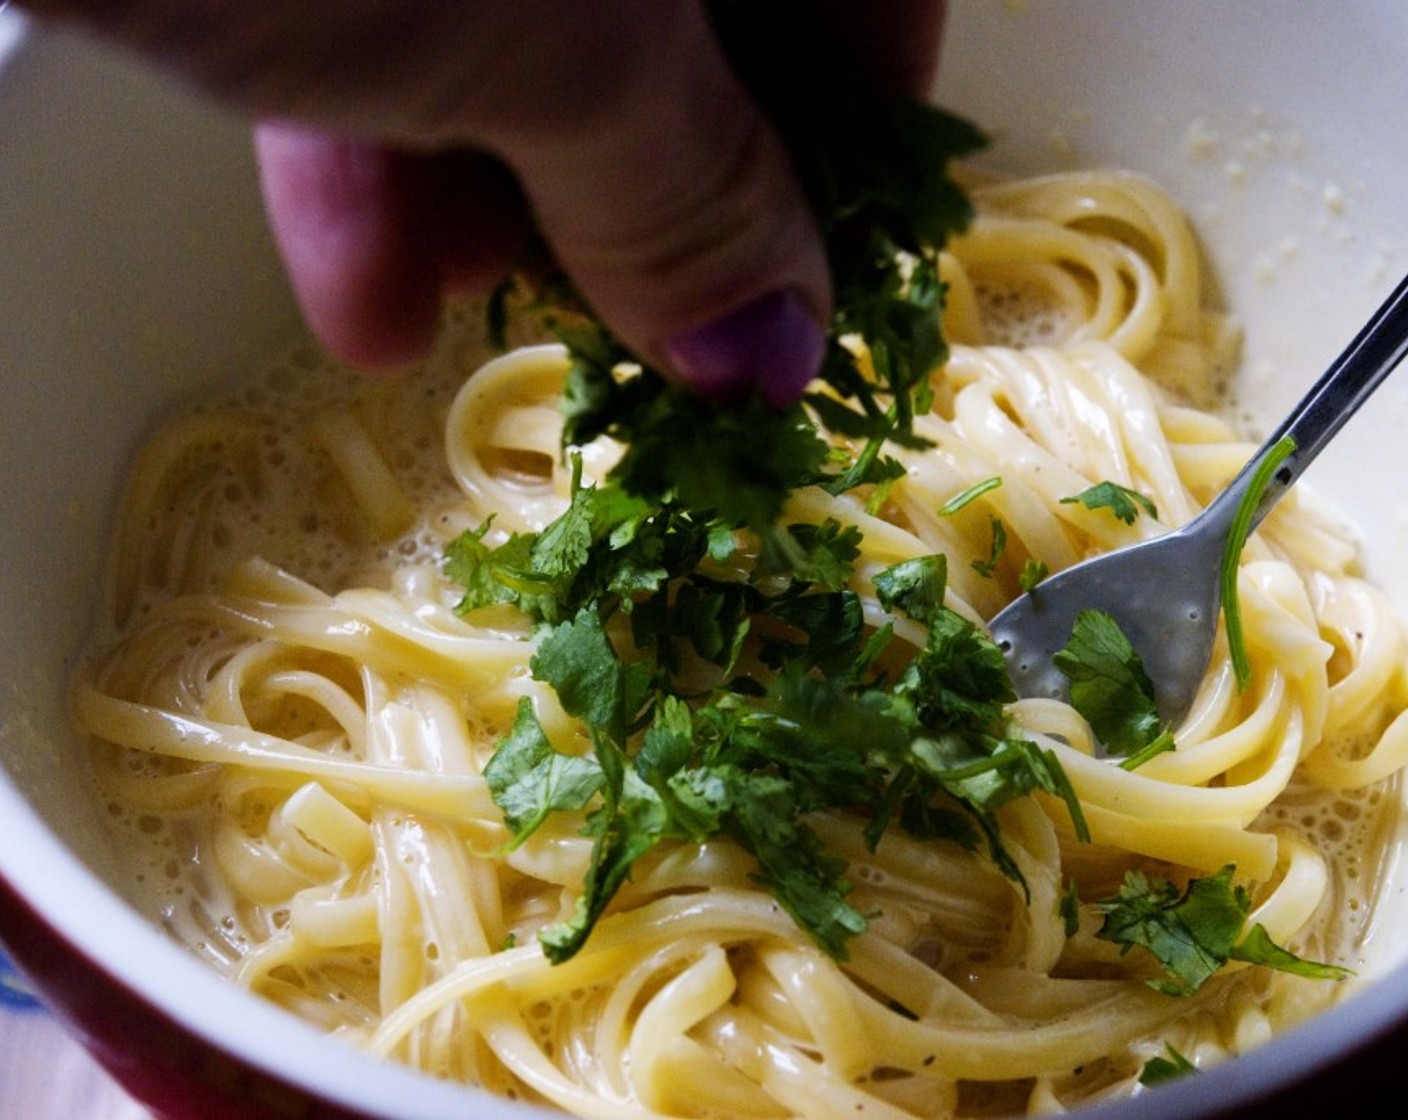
(810, 711)
(1122, 502)
(1192, 933)
(877, 172)
(1110, 688)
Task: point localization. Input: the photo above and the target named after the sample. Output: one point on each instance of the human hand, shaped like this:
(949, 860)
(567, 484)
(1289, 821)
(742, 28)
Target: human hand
(406, 148)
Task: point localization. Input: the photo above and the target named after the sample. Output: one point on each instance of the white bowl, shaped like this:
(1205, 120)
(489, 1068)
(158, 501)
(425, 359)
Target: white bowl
(137, 269)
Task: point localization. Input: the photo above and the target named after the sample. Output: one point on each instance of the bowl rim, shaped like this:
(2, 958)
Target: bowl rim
(99, 926)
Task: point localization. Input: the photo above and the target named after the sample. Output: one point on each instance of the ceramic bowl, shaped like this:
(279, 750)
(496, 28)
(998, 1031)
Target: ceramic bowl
(136, 268)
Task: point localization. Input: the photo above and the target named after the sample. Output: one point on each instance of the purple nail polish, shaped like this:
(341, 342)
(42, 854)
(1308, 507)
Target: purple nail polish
(772, 346)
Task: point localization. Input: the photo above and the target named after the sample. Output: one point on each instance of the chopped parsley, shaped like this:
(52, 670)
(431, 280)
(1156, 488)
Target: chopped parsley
(530, 780)
(876, 170)
(966, 497)
(1121, 501)
(985, 566)
(1165, 1067)
(1232, 552)
(1033, 572)
(824, 728)
(1195, 932)
(1110, 688)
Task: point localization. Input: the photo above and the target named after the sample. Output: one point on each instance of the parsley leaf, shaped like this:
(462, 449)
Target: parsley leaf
(762, 809)
(497, 575)
(1190, 934)
(959, 679)
(1166, 1067)
(1121, 501)
(1258, 948)
(627, 828)
(528, 779)
(1110, 688)
(1195, 933)
(592, 683)
(914, 586)
(833, 623)
(828, 552)
(802, 876)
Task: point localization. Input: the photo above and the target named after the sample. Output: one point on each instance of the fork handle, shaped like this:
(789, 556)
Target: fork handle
(1370, 357)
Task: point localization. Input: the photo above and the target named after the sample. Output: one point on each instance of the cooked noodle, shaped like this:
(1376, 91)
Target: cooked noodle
(290, 722)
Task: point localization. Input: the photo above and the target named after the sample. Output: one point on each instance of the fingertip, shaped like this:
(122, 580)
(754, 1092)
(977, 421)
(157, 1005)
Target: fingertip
(771, 347)
(352, 222)
(674, 206)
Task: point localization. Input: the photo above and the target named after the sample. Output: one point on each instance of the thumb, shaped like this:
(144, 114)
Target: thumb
(674, 207)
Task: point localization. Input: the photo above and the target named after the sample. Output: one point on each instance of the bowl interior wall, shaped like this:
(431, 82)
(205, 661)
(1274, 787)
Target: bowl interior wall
(137, 271)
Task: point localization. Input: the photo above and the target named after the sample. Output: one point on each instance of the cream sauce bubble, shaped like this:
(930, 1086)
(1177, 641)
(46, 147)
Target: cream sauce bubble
(263, 485)
(1021, 314)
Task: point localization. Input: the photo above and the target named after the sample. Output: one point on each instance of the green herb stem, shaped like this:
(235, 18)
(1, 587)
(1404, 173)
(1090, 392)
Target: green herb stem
(1232, 554)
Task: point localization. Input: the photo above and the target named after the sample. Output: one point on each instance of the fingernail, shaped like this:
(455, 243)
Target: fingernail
(771, 347)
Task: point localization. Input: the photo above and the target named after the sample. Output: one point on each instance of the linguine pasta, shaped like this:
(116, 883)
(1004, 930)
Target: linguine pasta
(290, 723)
